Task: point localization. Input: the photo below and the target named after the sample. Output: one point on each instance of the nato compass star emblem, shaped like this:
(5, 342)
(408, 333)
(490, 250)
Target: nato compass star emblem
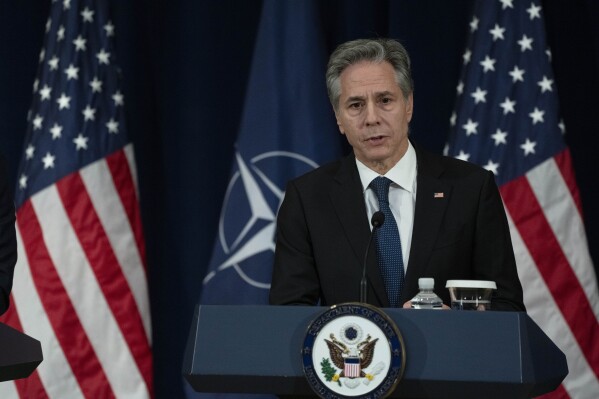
(248, 218)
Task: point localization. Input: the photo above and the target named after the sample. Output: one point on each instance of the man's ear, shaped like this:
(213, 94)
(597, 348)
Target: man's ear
(341, 129)
(410, 107)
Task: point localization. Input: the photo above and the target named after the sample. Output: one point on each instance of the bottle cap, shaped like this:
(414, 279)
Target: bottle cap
(426, 283)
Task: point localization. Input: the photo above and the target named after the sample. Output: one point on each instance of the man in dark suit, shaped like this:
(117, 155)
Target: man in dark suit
(8, 241)
(449, 218)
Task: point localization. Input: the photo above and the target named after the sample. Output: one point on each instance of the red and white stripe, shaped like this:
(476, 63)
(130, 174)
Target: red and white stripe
(352, 370)
(555, 267)
(80, 286)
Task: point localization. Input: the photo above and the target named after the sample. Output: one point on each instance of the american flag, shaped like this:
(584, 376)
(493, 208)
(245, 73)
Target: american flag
(507, 120)
(80, 283)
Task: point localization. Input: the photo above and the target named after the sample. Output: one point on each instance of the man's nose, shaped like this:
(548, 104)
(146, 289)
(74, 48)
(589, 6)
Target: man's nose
(372, 116)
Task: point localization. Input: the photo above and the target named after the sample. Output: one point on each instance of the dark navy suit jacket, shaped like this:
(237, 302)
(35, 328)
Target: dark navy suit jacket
(8, 241)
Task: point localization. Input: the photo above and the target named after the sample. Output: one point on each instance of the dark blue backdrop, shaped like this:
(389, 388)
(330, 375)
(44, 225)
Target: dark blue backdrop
(185, 66)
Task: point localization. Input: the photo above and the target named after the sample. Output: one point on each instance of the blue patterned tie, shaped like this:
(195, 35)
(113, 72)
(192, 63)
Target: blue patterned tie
(388, 245)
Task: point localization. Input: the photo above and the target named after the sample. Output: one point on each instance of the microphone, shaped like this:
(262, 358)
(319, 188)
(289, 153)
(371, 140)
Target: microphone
(378, 218)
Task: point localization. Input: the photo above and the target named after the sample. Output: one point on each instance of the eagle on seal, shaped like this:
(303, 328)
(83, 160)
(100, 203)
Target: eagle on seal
(340, 352)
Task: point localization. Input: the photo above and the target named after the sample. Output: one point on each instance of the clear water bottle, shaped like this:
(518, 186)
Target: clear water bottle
(426, 298)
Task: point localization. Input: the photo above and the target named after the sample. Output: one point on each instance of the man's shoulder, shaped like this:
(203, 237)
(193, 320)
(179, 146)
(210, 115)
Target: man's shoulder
(324, 173)
(446, 167)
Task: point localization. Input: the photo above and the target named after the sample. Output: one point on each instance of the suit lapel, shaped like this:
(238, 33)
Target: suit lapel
(431, 200)
(347, 197)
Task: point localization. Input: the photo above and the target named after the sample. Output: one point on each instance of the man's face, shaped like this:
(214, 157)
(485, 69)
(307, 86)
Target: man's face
(373, 114)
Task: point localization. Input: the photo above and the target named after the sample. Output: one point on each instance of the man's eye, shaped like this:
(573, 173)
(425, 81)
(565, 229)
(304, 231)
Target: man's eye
(385, 100)
(355, 105)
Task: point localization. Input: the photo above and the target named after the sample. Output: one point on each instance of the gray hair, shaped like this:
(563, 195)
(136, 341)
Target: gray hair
(373, 50)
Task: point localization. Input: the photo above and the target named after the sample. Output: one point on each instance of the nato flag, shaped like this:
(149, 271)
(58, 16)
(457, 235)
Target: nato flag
(288, 128)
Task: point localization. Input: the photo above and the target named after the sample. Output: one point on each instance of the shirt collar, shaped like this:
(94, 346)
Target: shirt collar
(403, 173)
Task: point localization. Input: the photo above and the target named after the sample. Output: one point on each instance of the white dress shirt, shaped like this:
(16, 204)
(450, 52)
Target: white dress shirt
(402, 196)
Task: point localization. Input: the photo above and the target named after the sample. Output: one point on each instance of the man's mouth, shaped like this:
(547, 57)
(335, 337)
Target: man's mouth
(375, 139)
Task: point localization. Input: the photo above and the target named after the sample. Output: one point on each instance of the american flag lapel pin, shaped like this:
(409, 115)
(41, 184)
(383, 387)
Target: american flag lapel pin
(439, 195)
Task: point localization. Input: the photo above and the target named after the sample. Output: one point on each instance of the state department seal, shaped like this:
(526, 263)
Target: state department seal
(353, 350)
